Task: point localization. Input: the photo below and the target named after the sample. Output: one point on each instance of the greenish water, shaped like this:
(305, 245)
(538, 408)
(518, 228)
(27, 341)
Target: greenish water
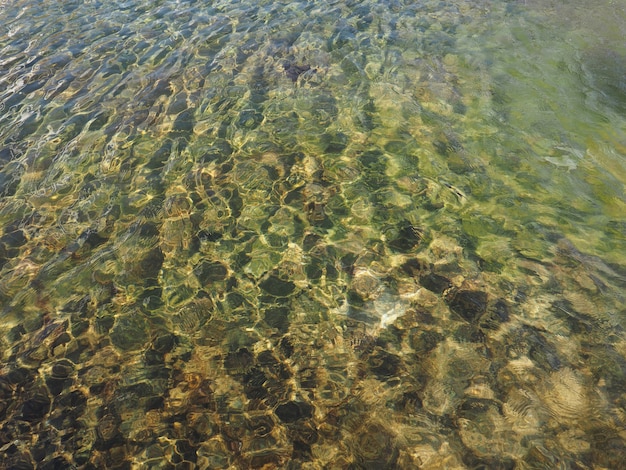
(323, 234)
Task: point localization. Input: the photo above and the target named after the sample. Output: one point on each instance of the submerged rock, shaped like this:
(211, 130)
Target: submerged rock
(435, 283)
(210, 271)
(470, 305)
(405, 237)
(130, 331)
(36, 407)
(277, 287)
(293, 411)
(293, 71)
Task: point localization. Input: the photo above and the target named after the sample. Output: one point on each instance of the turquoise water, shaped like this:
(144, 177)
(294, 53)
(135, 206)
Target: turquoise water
(335, 235)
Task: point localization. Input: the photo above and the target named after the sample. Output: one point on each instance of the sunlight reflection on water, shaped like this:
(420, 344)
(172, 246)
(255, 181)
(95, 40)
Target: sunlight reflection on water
(312, 234)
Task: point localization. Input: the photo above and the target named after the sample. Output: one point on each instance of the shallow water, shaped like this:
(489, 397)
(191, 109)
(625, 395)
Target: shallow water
(312, 234)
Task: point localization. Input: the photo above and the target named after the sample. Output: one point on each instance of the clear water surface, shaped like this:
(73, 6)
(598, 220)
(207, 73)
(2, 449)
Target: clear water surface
(312, 234)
